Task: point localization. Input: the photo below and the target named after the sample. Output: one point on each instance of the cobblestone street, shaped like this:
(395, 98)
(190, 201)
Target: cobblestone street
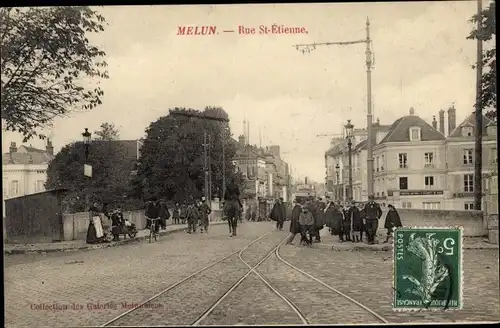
(118, 278)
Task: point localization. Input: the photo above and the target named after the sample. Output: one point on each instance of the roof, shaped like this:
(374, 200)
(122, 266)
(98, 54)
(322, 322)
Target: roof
(400, 130)
(470, 121)
(34, 157)
(336, 150)
(31, 149)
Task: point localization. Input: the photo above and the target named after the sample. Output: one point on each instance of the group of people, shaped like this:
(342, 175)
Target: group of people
(96, 233)
(194, 212)
(349, 222)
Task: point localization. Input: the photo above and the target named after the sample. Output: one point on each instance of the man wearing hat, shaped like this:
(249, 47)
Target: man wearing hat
(278, 213)
(204, 213)
(373, 212)
(193, 216)
(232, 205)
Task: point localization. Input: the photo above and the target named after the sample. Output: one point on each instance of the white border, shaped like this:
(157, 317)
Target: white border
(461, 289)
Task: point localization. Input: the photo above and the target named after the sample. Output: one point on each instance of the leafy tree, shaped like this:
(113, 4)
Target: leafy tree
(486, 33)
(45, 56)
(172, 157)
(111, 174)
(107, 132)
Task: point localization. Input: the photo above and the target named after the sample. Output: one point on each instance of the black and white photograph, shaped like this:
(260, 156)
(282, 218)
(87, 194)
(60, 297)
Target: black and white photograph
(250, 164)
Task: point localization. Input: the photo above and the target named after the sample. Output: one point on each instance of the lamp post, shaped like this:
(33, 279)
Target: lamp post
(87, 169)
(337, 173)
(349, 128)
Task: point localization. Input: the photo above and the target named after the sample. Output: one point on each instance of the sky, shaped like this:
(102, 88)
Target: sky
(422, 60)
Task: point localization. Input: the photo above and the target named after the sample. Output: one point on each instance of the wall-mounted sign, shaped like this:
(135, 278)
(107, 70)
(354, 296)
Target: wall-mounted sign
(420, 192)
(87, 170)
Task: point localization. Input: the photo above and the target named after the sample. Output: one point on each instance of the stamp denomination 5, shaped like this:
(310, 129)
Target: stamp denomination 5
(427, 268)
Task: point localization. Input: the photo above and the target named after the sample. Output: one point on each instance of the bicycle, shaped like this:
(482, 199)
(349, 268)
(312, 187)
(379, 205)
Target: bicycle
(152, 230)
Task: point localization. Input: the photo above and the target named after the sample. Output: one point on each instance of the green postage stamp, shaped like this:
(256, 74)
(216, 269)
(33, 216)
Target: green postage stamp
(428, 269)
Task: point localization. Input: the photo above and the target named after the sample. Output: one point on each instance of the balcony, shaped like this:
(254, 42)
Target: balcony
(429, 165)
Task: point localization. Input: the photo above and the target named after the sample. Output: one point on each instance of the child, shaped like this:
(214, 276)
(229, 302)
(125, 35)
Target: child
(306, 222)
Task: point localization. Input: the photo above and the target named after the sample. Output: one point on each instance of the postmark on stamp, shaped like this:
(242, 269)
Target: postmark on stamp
(427, 269)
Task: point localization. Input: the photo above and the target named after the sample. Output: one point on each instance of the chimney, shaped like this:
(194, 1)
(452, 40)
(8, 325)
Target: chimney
(412, 111)
(441, 121)
(434, 122)
(241, 140)
(452, 119)
(12, 148)
(378, 121)
(49, 148)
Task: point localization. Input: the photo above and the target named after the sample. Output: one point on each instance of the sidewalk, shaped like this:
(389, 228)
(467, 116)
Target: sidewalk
(332, 242)
(79, 245)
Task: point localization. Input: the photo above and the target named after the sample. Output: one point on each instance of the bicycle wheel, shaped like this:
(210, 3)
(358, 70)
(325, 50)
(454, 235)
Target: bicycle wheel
(151, 233)
(156, 236)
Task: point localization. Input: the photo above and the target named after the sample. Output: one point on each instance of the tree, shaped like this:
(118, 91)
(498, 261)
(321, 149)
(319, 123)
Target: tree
(45, 56)
(172, 161)
(107, 132)
(487, 32)
(111, 174)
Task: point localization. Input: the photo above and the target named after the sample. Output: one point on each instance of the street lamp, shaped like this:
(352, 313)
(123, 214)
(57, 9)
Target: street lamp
(86, 140)
(349, 128)
(337, 173)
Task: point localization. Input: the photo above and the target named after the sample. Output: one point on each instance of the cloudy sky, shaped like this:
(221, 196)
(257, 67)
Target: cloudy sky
(422, 59)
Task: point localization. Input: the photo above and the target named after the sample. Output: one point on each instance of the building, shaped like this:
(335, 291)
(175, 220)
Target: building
(410, 164)
(460, 145)
(24, 169)
(416, 165)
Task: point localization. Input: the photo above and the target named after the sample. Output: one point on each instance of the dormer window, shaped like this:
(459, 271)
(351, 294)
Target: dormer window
(491, 130)
(467, 131)
(414, 134)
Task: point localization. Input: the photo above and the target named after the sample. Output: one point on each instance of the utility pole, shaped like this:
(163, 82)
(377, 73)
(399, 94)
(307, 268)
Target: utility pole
(205, 164)
(307, 48)
(223, 164)
(209, 170)
(478, 165)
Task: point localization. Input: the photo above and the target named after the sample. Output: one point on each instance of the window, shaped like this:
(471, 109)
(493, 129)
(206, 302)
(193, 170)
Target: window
(383, 193)
(39, 186)
(5, 189)
(429, 159)
(406, 204)
(14, 188)
(494, 156)
(429, 182)
(468, 156)
(378, 163)
(468, 206)
(382, 164)
(431, 205)
(403, 161)
(403, 183)
(491, 130)
(467, 131)
(468, 183)
(414, 134)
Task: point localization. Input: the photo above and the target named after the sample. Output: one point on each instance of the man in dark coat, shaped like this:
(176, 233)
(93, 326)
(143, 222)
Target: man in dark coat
(153, 212)
(164, 215)
(356, 222)
(318, 215)
(392, 220)
(278, 214)
(294, 221)
(373, 213)
(232, 205)
(204, 213)
(346, 222)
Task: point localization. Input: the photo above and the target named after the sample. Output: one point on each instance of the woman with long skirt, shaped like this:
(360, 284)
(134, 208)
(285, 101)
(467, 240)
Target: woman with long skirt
(95, 233)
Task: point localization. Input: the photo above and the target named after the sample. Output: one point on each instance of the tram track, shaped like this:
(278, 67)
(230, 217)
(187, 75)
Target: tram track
(203, 292)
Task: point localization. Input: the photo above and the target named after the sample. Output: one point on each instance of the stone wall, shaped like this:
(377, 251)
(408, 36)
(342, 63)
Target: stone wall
(472, 222)
(75, 225)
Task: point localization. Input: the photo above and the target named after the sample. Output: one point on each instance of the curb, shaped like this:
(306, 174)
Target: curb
(99, 246)
(387, 248)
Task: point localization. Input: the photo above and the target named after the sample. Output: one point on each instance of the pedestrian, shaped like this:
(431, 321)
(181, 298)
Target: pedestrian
(356, 222)
(362, 216)
(175, 214)
(192, 216)
(294, 222)
(278, 214)
(319, 219)
(306, 221)
(152, 213)
(95, 233)
(183, 213)
(116, 224)
(204, 213)
(232, 205)
(164, 215)
(346, 222)
(392, 220)
(373, 213)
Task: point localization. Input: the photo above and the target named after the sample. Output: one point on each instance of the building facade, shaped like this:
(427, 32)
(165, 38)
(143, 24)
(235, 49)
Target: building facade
(460, 145)
(416, 165)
